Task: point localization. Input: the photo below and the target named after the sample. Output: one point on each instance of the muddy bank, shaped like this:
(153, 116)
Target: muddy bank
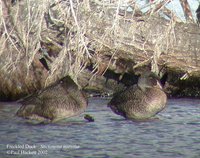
(18, 84)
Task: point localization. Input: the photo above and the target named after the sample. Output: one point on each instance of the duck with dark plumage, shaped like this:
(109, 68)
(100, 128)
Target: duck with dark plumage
(58, 101)
(141, 101)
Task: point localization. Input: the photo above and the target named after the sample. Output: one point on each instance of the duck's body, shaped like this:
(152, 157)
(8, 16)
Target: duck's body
(141, 101)
(61, 100)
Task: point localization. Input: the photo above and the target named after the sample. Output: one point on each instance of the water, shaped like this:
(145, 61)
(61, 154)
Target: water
(175, 134)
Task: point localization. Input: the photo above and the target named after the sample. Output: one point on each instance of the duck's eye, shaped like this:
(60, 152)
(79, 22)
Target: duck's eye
(153, 81)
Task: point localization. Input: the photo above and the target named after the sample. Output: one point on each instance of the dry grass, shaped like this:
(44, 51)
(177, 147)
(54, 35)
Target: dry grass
(29, 22)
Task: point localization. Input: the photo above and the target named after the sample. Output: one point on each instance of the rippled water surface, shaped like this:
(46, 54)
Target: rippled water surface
(175, 134)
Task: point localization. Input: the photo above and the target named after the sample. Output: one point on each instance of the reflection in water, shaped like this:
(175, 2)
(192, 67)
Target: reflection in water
(174, 134)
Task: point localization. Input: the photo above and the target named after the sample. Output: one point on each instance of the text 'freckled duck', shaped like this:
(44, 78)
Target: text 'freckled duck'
(141, 101)
(61, 100)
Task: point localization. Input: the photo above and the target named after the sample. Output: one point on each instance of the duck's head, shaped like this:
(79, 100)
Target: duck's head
(149, 80)
(68, 83)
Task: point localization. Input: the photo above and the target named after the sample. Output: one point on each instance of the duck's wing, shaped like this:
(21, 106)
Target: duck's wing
(122, 102)
(123, 96)
(61, 101)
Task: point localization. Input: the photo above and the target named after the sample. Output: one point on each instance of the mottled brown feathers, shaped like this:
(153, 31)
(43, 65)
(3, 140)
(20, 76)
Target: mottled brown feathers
(61, 100)
(140, 101)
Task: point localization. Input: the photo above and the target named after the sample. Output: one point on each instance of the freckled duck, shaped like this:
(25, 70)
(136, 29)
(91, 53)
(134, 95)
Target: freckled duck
(141, 101)
(60, 100)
